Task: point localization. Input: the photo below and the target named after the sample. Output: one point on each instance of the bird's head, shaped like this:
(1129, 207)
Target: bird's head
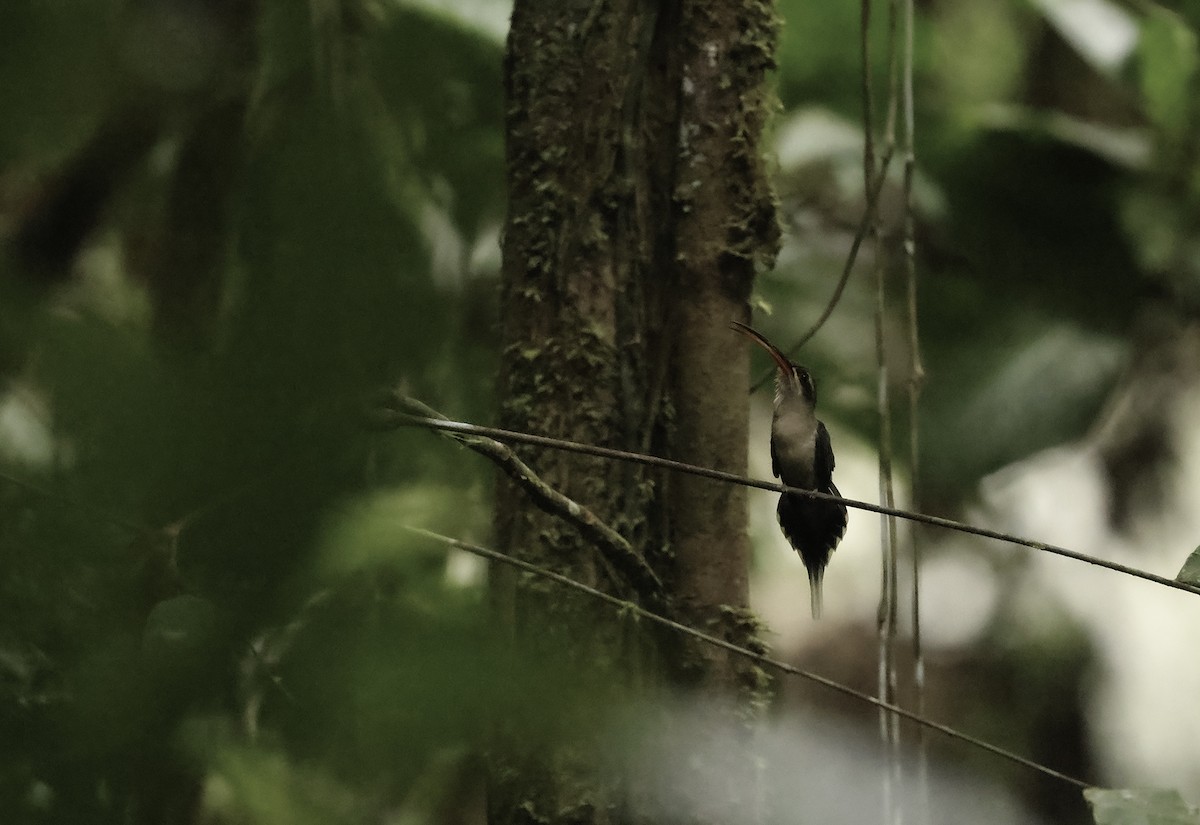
(792, 380)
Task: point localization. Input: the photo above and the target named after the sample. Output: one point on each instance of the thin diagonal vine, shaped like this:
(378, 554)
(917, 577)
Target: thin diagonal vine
(758, 658)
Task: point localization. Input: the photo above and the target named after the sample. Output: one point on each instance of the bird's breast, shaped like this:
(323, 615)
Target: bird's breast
(794, 436)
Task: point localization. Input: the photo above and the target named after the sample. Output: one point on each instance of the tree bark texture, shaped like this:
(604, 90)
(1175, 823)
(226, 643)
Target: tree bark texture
(638, 214)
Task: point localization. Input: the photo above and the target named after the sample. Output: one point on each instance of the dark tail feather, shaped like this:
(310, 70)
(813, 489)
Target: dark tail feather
(815, 577)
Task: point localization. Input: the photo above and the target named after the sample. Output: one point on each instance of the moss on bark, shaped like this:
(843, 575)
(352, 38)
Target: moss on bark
(639, 212)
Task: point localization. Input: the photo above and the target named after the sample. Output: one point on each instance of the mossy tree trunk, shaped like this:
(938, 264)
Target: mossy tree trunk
(638, 214)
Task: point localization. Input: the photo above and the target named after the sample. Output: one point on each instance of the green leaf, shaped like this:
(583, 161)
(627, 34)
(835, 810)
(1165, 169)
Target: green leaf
(1139, 807)
(1169, 59)
(1190, 572)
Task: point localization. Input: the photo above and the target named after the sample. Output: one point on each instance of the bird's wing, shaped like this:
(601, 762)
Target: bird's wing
(775, 459)
(823, 458)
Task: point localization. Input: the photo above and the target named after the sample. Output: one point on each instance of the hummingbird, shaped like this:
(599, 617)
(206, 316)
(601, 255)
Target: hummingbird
(802, 456)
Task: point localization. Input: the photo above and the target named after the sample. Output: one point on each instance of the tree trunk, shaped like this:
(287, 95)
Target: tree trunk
(638, 214)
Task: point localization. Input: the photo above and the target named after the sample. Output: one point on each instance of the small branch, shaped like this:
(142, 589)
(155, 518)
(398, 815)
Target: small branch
(866, 89)
(864, 226)
(387, 419)
(614, 549)
(886, 620)
(916, 379)
(875, 179)
(758, 658)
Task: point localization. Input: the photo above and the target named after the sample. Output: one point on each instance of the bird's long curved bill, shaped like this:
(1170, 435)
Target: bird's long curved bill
(781, 360)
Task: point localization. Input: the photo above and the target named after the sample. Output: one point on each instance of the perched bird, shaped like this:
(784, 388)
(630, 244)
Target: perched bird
(801, 456)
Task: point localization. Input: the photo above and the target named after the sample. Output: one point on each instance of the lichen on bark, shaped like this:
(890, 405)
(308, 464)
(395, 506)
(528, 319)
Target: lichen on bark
(639, 212)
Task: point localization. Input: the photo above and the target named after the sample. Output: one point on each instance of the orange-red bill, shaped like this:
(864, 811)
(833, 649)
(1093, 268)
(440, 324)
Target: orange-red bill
(780, 359)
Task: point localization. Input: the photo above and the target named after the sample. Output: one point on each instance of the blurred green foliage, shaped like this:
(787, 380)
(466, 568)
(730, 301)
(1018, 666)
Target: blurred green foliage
(223, 225)
(1058, 202)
